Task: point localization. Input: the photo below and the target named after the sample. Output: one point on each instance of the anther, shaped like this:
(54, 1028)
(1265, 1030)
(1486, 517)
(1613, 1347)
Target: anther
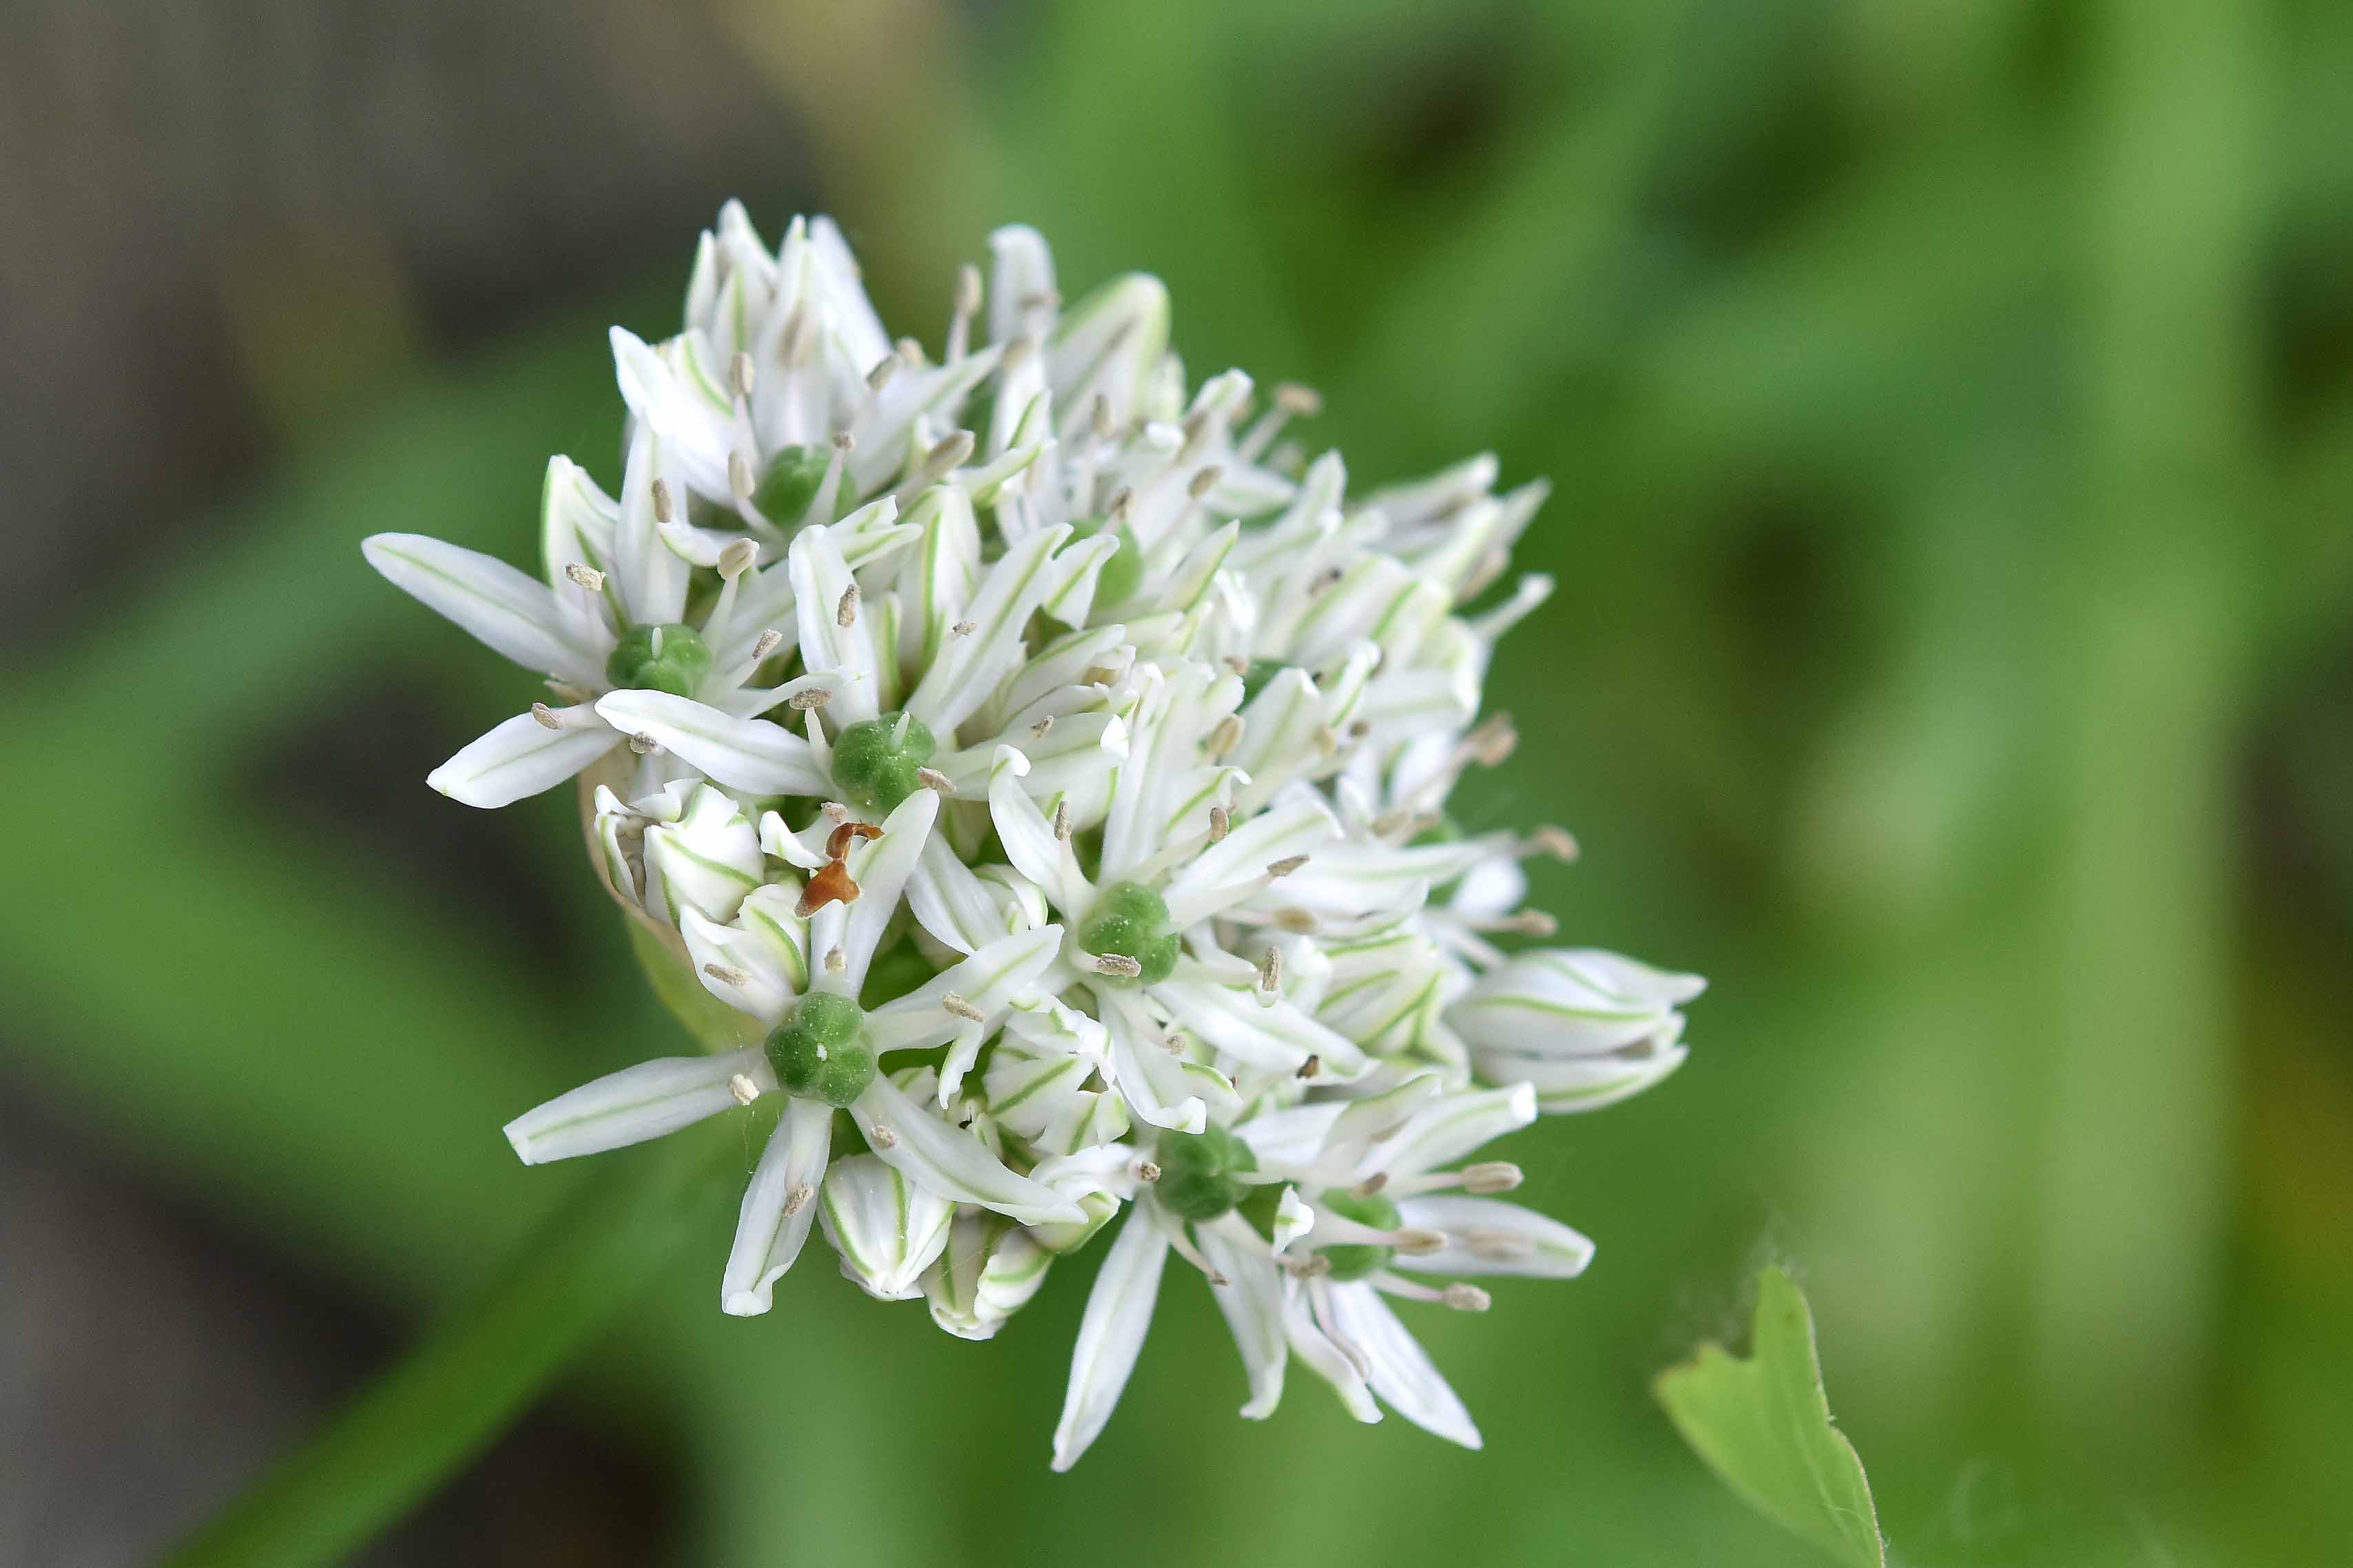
(1293, 397)
(1534, 922)
(933, 779)
(955, 1004)
(949, 454)
(910, 350)
(845, 613)
(1311, 1067)
(588, 577)
(1360, 729)
(740, 477)
(1237, 664)
(1270, 971)
(963, 630)
(1555, 841)
(1490, 1176)
(1325, 581)
(1492, 742)
(661, 501)
(1062, 824)
(882, 1137)
(738, 558)
(1204, 481)
(1414, 1242)
(546, 716)
(1327, 740)
(836, 960)
(1099, 418)
(967, 292)
(1296, 920)
(1286, 865)
(740, 371)
(1220, 820)
(1117, 964)
(798, 1198)
(884, 369)
(1224, 737)
(1146, 1172)
(644, 745)
(745, 1090)
(1467, 1298)
(728, 974)
(1372, 1183)
(1121, 501)
(805, 701)
(1042, 728)
(769, 642)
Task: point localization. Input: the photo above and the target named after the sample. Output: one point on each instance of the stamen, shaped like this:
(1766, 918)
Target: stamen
(846, 613)
(1182, 1245)
(1220, 820)
(728, 974)
(1311, 1067)
(1062, 823)
(1294, 920)
(661, 501)
(1323, 582)
(797, 1198)
(745, 1090)
(1224, 736)
(968, 306)
(1414, 1242)
(796, 336)
(644, 745)
(741, 373)
(1099, 418)
(884, 369)
(1043, 727)
(1293, 397)
(963, 630)
(816, 697)
(949, 454)
(1237, 664)
(1117, 964)
(882, 1137)
(1121, 501)
(546, 716)
(955, 1004)
(738, 558)
(836, 960)
(1204, 481)
(1270, 971)
(1286, 865)
(740, 478)
(911, 351)
(1327, 740)
(1491, 1176)
(1492, 742)
(770, 641)
(1372, 1183)
(1145, 1170)
(933, 779)
(1555, 841)
(588, 577)
(1467, 1298)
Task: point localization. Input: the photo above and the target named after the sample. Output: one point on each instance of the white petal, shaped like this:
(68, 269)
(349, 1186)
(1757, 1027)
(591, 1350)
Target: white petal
(516, 615)
(1452, 1125)
(635, 1104)
(1488, 1235)
(949, 1160)
(820, 579)
(742, 753)
(1029, 842)
(1111, 1335)
(1233, 868)
(1398, 1368)
(522, 757)
(970, 667)
(768, 1238)
(881, 867)
(887, 1229)
(1326, 1360)
(1279, 1037)
(1252, 1301)
(991, 980)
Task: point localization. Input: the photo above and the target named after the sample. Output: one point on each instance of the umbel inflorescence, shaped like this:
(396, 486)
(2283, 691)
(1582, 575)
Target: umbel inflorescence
(1029, 779)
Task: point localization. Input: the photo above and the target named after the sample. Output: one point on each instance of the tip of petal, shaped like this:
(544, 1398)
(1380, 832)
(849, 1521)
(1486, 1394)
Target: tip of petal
(743, 1303)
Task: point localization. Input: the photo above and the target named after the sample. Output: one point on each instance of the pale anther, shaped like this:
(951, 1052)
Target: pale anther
(1293, 398)
(738, 558)
(836, 960)
(1311, 1067)
(882, 1137)
(1555, 841)
(1269, 971)
(1372, 1183)
(1119, 964)
(936, 781)
(770, 641)
(745, 1090)
(1220, 821)
(740, 478)
(1417, 1243)
(845, 613)
(661, 501)
(1121, 501)
(955, 1004)
(1466, 1298)
(1146, 1172)
(728, 974)
(644, 745)
(884, 369)
(740, 374)
(1224, 736)
(588, 577)
(546, 716)
(843, 441)
(814, 698)
(1286, 865)
(963, 630)
(797, 1199)
(1062, 821)
(1490, 1176)
(1204, 481)
(1042, 727)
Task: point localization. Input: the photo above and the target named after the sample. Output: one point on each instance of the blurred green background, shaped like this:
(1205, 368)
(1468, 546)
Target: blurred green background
(1950, 407)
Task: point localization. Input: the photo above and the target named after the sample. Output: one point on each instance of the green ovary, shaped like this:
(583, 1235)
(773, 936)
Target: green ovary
(875, 765)
(1132, 921)
(794, 476)
(819, 1051)
(1200, 1175)
(1354, 1261)
(673, 658)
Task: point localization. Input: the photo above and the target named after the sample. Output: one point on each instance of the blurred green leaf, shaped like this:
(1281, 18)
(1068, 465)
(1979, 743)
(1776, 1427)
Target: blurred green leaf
(1764, 1425)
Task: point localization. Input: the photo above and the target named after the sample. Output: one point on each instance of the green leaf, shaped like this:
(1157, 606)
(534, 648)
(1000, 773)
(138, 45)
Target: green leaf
(1764, 1425)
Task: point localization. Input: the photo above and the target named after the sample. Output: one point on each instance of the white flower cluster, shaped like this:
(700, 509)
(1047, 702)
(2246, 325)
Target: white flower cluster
(1047, 772)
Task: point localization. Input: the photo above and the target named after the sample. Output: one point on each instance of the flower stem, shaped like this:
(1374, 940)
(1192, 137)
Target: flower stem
(388, 1450)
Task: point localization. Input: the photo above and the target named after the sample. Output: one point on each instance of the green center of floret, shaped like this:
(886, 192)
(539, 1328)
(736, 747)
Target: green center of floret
(673, 658)
(794, 476)
(1122, 574)
(1200, 1176)
(1352, 1260)
(1132, 921)
(875, 763)
(819, 1051)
